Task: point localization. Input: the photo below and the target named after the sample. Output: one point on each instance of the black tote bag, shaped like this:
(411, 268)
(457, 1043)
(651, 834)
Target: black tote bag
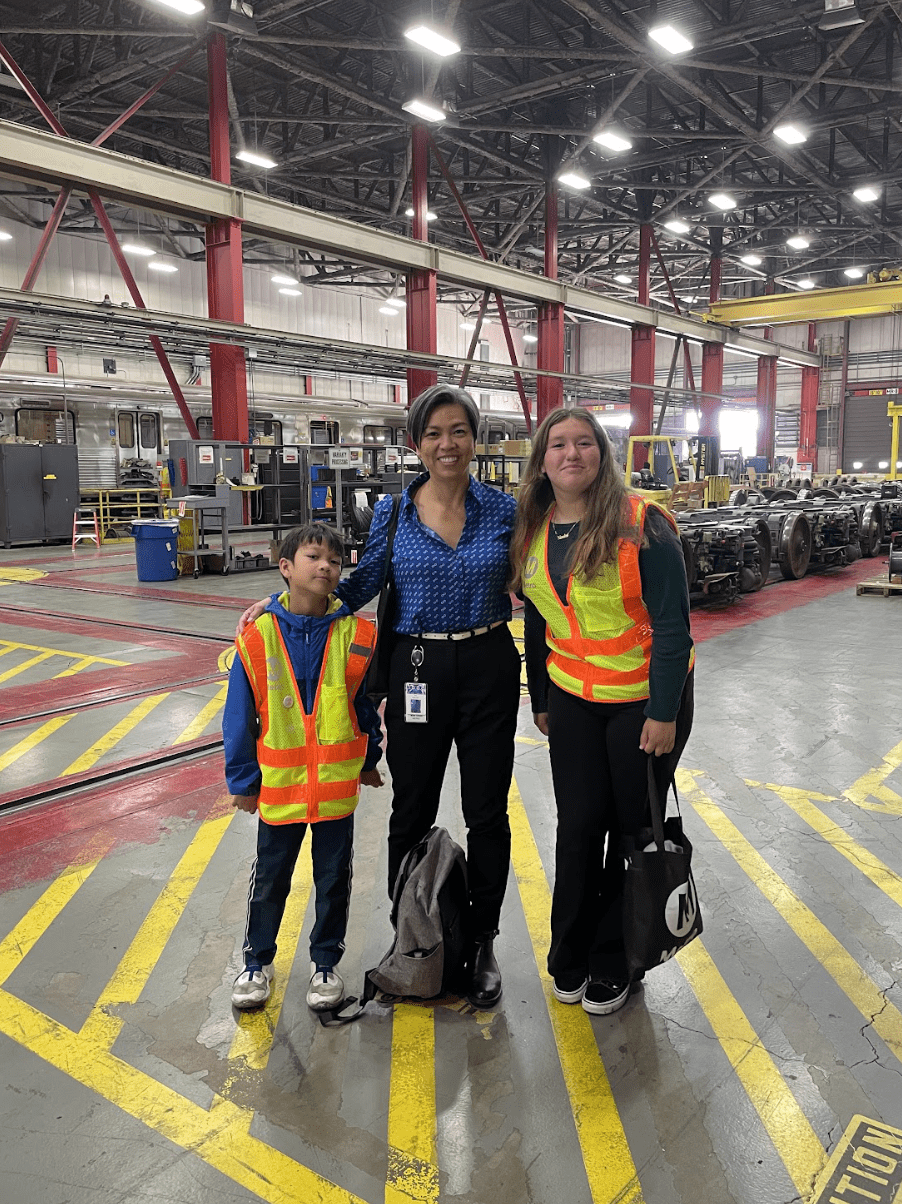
(377, 678)
(661, 913)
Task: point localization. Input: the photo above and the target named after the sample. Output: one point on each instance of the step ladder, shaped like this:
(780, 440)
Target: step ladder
(85, 517)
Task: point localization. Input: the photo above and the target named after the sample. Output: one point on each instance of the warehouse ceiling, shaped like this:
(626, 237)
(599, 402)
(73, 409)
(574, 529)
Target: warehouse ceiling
(318, 86)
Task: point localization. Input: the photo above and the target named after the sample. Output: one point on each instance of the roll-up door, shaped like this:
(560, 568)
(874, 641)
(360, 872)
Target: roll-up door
(866, 435)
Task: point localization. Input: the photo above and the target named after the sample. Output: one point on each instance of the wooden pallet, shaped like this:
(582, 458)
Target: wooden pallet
(884, 587)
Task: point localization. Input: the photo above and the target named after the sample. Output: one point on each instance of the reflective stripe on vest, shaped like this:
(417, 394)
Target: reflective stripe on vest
(600, 640)
(310, 764)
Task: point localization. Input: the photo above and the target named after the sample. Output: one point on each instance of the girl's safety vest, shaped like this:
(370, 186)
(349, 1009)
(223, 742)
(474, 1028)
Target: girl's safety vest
(599, 640)
(310, 764)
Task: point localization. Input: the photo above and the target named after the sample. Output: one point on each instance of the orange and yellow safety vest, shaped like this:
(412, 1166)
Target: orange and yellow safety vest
(310, 764)
(600, 639)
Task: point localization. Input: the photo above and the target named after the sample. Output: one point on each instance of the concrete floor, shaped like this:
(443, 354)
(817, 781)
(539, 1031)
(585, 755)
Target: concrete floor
(732, 1076)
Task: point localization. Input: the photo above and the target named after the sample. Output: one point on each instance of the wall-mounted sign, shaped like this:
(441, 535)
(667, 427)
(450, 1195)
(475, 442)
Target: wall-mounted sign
(345, 457)
(205, 455)
(289, 455)
(392, 457)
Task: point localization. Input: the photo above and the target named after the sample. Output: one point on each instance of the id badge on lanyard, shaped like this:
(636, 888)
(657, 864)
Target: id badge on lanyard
(415, 691)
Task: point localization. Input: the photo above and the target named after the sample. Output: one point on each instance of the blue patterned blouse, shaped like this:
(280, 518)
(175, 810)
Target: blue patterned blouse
(440, 588)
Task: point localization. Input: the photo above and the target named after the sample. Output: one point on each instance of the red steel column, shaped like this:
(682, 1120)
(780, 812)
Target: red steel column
(225, 273)
(811, 381)
(421, 295)
(550, 349)
(767, 395)
(642, 368)
(712, 357)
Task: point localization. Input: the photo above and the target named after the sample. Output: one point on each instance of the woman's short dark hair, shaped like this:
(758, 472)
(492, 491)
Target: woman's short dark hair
(311, 533)
(440, 395)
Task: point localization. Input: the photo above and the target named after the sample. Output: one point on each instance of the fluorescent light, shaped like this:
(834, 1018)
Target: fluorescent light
(283, 280)
(390, 310)
(623, 279)
(753, 261)
(790, 134)
(806, 283)
(722, 201)
(883, 464)
(866, 193)
(189, 7)
(431, 40)
(798, 242)
(677, 225)
(424, 110)
(614, 142)
(5, 236)
(671, 39)
(530, 338)
(857, 464)
(134, 249)
(573, 179)
(430, 216)
(468, 325)
(623, 421)
(256, 160)
(159, 265)
(290, 292)
(853, 273)
(396, 302)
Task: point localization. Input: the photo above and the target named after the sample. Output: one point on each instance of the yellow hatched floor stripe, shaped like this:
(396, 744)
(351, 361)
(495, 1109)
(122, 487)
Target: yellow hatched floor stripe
(9, 645)
(836, 960)
(83, 663)
(786, 1124)
(870, 786)
(25, 746)
(29, 664)
(103, 1025)
(252, 1043)
(864, 860)
(609, 1164)
(114, 735)
(412, 1161)
(209, 712)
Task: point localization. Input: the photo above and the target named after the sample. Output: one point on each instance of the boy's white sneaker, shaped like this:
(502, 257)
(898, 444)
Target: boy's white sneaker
(252, 986)
(326, 988)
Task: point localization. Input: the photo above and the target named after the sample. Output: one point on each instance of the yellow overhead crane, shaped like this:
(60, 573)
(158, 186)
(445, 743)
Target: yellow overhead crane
(864, 300)
(894, 412)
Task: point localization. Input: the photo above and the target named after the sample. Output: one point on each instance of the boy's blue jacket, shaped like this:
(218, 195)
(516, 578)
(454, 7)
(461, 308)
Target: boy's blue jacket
(305, 638)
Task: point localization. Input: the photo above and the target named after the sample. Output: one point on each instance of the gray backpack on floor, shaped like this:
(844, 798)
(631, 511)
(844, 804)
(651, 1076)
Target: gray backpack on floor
(429, 916)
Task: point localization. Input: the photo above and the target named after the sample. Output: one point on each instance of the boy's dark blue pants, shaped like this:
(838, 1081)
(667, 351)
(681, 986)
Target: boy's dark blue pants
(278, 846)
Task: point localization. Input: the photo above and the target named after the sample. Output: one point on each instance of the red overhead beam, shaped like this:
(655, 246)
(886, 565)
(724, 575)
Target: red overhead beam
(422, 332)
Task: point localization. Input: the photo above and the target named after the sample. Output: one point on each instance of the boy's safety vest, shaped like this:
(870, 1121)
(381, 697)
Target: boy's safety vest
(310, 764)
(600, 639)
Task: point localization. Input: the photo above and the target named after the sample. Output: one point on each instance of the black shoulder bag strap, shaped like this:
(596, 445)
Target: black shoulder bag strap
(392, 528)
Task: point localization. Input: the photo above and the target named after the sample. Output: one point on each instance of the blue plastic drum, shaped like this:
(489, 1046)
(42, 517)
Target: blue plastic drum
(156, 548)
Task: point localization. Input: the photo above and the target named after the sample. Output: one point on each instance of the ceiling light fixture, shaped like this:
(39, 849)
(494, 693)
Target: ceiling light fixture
(530, 338)
(256, 160)
(283, 279)
(430, 216)
(722, 201)
(670, 39)
(753, 261)
(431, 39)
(424, 110)
(623, 279)
(866, 193)
(614, 142)
(677, 225)
(790, 134)
(389, 309)
(806, 283)
(838, 14)
(5, 236)
(396, 302)
(189, 8)
(853, 273)
(573, 179)
(798, 242)
(134, 248)
(290, 292)
(468, 325)
(158, 265)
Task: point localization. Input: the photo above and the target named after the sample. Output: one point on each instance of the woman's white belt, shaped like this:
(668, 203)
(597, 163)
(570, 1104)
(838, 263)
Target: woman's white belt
(457, 635)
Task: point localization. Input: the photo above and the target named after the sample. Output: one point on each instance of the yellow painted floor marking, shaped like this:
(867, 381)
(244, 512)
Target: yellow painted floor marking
(101, 660)
(25, 665)
(870, 786)
(872, 867)
(104, 1023)
(225, 659)
(219, 1136)
(609, 1164)
(197, 725)
(114, 735)
(412, 1166)
(786, 1124)
(32, 741)
(77, 667)
(836, 960)
(252, 1043)
(21, 940)
(15, 576)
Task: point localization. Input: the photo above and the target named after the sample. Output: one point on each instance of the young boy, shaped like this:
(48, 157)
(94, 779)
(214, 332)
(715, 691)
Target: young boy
(300, 736)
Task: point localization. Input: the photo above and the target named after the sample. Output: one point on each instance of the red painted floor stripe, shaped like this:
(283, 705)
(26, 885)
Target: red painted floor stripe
(149, 637)
(158, 595)
(40, 842)
(781, 596)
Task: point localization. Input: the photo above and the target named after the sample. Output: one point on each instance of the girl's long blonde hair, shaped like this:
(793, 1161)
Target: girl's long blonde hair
(607, 519)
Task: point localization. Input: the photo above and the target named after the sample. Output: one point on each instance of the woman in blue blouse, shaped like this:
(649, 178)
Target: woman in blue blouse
(450, 566)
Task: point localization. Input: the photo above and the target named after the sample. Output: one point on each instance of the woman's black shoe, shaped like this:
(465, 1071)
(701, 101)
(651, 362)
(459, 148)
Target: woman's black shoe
(484, 989)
